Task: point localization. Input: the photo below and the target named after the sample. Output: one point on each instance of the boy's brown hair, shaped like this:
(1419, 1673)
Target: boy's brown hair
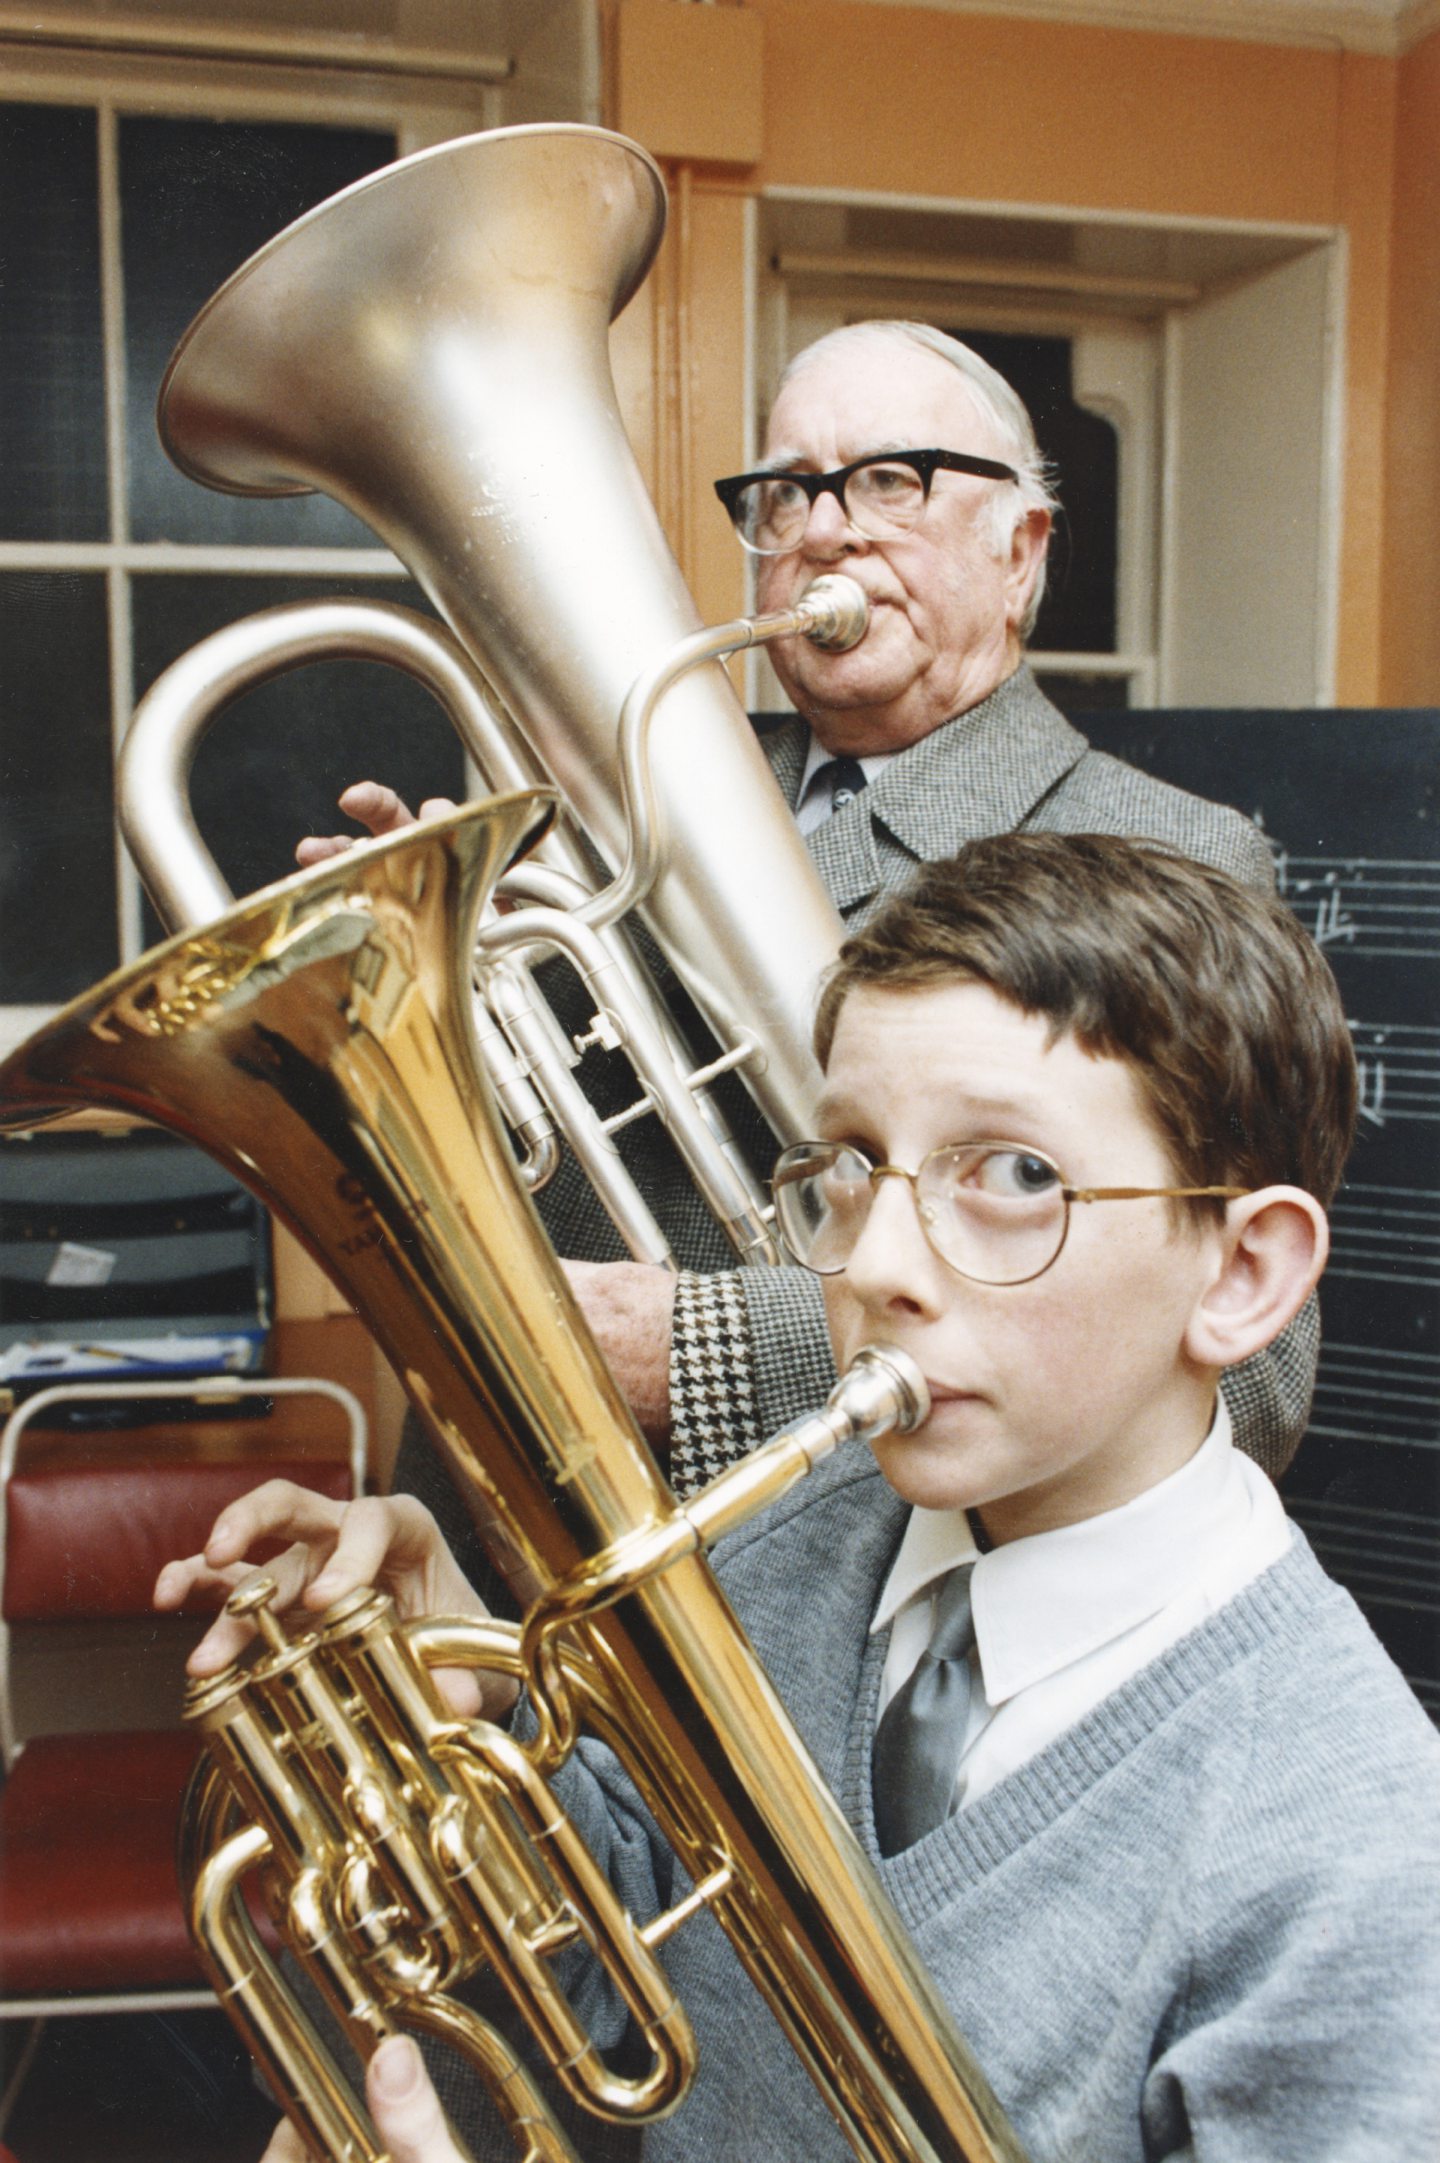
(1223, 1005)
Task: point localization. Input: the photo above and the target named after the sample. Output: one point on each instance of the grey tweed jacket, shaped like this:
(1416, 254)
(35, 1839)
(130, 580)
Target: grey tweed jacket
(750, 1350)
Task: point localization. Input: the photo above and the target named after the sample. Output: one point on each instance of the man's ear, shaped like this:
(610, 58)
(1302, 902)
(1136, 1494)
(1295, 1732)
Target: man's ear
(1028, 543)
(1270, 1252)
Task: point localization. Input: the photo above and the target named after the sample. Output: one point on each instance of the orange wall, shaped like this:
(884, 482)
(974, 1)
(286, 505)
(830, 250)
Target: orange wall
(969, 105)
(1411, 617)
(901, 101)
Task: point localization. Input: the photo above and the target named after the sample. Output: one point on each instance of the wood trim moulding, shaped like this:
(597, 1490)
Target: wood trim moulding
(58, 29)
(990, 272)
(1385, 27)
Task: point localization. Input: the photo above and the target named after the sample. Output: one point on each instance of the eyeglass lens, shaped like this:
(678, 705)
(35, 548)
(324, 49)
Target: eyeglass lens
(996, 1214)
(880, 499)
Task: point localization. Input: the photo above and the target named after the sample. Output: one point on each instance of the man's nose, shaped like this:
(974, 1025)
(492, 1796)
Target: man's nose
(828, 531)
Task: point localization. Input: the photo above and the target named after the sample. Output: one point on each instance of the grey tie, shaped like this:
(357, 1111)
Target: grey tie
(922, 1731)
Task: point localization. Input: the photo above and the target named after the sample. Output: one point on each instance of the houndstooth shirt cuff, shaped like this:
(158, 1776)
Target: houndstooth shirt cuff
(749, 1354)
(714, 1418)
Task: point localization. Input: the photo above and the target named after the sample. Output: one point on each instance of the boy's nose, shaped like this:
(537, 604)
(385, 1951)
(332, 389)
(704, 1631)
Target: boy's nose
(892, 1262)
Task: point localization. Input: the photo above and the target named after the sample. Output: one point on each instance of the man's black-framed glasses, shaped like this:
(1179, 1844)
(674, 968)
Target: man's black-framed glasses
(882, 495)
(994, 1212)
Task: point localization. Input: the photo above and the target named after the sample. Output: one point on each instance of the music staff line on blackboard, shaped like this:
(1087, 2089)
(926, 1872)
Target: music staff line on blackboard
(1397, 1547)
(1399, 1066)
(1367, 1393)
(1337, 1400)
(1389, 1234)
(1381, 908)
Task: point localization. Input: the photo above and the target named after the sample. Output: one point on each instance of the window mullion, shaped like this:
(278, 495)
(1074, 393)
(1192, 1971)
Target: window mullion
(117, 579)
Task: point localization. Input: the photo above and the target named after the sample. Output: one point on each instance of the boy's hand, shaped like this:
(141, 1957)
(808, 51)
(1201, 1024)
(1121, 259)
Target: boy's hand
(391, 1542)
(374, 807)
(403, 2104)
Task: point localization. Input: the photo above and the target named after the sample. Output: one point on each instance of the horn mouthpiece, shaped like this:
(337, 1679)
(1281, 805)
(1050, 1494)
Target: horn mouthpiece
(837, 613)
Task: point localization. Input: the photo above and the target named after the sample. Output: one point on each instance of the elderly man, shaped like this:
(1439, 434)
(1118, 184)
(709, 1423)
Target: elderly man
(894, 454)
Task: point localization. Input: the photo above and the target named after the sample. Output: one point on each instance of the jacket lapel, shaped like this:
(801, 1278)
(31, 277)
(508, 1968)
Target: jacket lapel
(785, 740)
(983, 773)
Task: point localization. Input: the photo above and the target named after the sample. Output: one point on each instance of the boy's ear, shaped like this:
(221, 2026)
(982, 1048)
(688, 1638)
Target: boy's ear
(1271, 1250)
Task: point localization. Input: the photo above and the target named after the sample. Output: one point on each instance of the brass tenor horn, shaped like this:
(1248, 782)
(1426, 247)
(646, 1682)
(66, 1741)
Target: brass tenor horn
(317, 1040)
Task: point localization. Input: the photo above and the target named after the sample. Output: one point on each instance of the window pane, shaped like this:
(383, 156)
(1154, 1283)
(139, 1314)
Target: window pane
(1077, 614)
(52, 392)
(198, 198)
(1075, 693)
(57, 856)
(273, 764)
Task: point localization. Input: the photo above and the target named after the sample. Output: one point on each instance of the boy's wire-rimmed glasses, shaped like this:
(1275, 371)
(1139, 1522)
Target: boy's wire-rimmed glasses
(994, 1212)
(882, 495)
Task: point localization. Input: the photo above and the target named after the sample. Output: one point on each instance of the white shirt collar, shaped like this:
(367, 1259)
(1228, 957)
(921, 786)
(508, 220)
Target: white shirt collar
(1042, 1603)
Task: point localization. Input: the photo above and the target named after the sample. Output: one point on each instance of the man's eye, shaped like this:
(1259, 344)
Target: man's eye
(884, 484)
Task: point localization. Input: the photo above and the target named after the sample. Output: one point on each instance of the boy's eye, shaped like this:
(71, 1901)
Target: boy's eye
(1012, 1174)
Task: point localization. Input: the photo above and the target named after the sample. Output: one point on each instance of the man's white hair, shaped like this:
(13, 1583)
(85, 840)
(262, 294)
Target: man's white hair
(1010, 503)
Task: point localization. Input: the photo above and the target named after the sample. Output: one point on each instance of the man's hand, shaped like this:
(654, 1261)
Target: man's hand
(392, 1542)
(403, 2104)
(630, 1307)
(378, 809)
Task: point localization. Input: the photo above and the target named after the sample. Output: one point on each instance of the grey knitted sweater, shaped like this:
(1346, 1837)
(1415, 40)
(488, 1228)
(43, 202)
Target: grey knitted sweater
(1204, 1923)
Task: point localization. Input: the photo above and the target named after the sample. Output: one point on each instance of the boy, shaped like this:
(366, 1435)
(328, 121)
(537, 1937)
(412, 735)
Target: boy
(1170, 1845)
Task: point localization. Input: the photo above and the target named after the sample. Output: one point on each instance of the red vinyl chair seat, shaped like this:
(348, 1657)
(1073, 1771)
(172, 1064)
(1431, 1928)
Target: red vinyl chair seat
(89, 1902)
(88, 1894)
(115, 1522)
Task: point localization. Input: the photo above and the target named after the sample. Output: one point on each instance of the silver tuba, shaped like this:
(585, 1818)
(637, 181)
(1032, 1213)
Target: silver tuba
(431, 348)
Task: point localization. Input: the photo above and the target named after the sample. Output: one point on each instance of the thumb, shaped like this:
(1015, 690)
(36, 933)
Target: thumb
(405, 2107)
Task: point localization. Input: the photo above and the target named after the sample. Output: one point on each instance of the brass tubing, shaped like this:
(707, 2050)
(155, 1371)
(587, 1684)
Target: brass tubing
(325, 1057)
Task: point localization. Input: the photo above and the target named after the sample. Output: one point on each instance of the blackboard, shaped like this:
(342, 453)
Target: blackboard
(1351, 803)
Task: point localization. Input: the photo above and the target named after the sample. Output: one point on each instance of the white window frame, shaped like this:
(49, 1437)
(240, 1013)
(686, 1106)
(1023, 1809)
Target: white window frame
(418, 113)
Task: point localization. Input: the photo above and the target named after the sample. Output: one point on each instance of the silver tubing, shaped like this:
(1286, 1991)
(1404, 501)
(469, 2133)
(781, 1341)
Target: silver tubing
(509, 998)
(533, 882)
(728, 1197)
(153, 775)
(833, 612)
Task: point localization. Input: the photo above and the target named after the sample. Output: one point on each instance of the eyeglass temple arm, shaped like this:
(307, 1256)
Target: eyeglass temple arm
(1142, 1194)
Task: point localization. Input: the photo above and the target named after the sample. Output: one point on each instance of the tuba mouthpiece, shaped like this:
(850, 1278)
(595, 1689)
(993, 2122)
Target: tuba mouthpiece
(837, 612)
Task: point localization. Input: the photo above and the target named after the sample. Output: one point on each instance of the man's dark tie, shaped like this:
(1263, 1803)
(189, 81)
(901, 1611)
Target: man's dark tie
(846, 778)
(922, 1731)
